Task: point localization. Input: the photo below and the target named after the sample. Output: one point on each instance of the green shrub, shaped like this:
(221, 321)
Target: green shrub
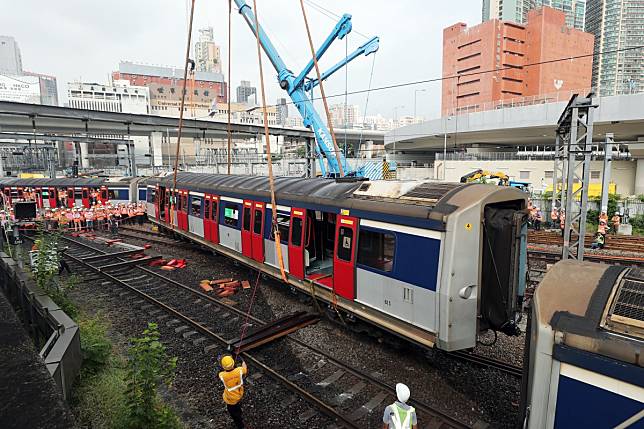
(148, 367)
(95, 345)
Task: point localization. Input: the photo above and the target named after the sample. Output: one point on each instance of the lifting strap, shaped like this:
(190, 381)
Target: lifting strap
(323, 96)
(183, 102)
(228, 129)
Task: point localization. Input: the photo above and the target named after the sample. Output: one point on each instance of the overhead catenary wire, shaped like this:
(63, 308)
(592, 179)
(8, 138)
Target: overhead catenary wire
(181, 107)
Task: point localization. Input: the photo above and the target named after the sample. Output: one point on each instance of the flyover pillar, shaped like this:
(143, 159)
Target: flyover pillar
(639, 177)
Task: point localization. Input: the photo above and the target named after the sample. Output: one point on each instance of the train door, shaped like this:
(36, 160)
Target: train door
(207, 215)
(214, 219)
(296, 241)
(246, 234)
(7, 196)
(20, 193)
(258, 232)
(159, 200)
(183, 213)
(344, 256)
(38, 197)
(85, 197)
(70, 197)
(168, 206)
(53, 198)
(103, 195)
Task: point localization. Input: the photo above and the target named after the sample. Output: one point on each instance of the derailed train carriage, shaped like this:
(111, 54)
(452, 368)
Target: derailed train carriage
(435, 263)
(585, 349)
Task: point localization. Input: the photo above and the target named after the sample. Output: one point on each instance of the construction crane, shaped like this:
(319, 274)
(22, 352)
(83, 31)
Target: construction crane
(297, 86)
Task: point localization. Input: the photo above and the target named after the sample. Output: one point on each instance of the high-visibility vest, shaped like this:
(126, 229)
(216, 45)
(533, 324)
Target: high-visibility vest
(233, 393)
(401, 417)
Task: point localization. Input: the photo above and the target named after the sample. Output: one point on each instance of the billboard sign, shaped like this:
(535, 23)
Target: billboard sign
(21, 89)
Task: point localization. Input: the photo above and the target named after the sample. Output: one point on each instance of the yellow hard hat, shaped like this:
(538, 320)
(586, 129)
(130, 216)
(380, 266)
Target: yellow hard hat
(227, 362)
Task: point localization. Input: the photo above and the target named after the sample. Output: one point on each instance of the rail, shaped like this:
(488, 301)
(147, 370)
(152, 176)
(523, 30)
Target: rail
(51, 329)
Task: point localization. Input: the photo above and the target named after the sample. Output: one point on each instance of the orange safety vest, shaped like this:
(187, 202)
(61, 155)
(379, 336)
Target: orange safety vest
(233, 384)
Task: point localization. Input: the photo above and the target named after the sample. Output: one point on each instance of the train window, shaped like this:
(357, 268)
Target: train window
(231, 214)
(152, 195)
(376, 249)
(246, 218)
(283, 222)
(296, 238)
(118, 194)
(45, 193)
(345, 243)
(78, 194)
(196, 207)
(214, 210)
(206, 209)
(257, 224)
(184, 203)
(70, 193)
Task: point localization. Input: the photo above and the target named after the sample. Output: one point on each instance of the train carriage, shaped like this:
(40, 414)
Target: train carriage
(434, 263)
(585, 348)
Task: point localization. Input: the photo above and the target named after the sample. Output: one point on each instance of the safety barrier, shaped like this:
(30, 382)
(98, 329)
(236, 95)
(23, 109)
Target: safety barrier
(51, 329)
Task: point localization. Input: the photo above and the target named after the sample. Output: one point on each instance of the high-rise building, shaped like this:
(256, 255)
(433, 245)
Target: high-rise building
(166, 84)
(207, 52)
(575, 10)
(244, 91)
(618, 62)
(507, 10)
(48, 88)
(523, 56)
(344, 116)
(10, 59)
(282, 111)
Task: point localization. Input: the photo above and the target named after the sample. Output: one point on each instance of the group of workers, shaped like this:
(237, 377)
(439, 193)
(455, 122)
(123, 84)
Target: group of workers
(96, 217)
(398, 415)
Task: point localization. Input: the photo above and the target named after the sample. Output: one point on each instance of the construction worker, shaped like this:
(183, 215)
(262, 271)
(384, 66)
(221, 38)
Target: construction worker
(616, 219)
(562, 220)
(554, 216)
(538, 218)
(233, 379)
(399, 415)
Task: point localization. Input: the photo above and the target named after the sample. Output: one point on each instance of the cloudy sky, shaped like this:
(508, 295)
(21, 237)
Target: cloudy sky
(81, 39)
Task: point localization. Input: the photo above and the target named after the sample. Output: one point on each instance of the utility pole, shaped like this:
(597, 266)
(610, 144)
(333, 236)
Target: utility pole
(608, 158)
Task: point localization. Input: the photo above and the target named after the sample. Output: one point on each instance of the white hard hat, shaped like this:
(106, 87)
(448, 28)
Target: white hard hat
(402, 392)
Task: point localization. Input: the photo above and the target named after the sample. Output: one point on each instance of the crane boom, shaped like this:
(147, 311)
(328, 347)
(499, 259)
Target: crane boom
(296, 86)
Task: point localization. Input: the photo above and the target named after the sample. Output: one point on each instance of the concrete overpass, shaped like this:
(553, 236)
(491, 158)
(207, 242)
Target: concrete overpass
(622, 115)
(54, 120)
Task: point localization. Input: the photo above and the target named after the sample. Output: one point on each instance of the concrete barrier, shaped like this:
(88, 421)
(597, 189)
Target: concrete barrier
(52, 330)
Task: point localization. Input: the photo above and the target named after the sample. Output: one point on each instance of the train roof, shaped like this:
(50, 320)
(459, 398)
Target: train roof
(598, 308)
(63, 181)
(415, 199)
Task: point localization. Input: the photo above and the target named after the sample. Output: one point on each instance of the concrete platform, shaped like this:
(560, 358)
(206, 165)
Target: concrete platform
(29, 397)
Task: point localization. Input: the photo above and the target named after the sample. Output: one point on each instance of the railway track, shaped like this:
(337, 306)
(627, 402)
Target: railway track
(613, 242)
(513, 370)
(346, 396)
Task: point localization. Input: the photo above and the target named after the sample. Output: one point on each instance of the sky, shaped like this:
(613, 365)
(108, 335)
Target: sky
(85, 40)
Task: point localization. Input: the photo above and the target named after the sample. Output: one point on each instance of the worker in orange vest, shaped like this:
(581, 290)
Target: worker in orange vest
(562, 220)
(616, 219)
(233, 379)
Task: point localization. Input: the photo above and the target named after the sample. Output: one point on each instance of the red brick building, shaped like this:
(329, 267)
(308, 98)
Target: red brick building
(472, 54)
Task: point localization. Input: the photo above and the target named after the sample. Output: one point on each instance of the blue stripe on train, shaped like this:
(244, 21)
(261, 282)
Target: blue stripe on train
(582, 405)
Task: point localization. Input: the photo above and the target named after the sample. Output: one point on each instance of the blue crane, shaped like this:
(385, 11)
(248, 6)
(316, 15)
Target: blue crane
(297, 86)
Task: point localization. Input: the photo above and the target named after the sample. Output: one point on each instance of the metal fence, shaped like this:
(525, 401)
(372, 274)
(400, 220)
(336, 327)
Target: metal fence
(51, 329)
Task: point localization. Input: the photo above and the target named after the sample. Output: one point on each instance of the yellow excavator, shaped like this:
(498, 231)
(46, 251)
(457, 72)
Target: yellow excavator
(482, 176)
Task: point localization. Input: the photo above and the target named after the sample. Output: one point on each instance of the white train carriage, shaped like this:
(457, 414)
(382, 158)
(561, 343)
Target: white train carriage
(432, 262)
(586, 366)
